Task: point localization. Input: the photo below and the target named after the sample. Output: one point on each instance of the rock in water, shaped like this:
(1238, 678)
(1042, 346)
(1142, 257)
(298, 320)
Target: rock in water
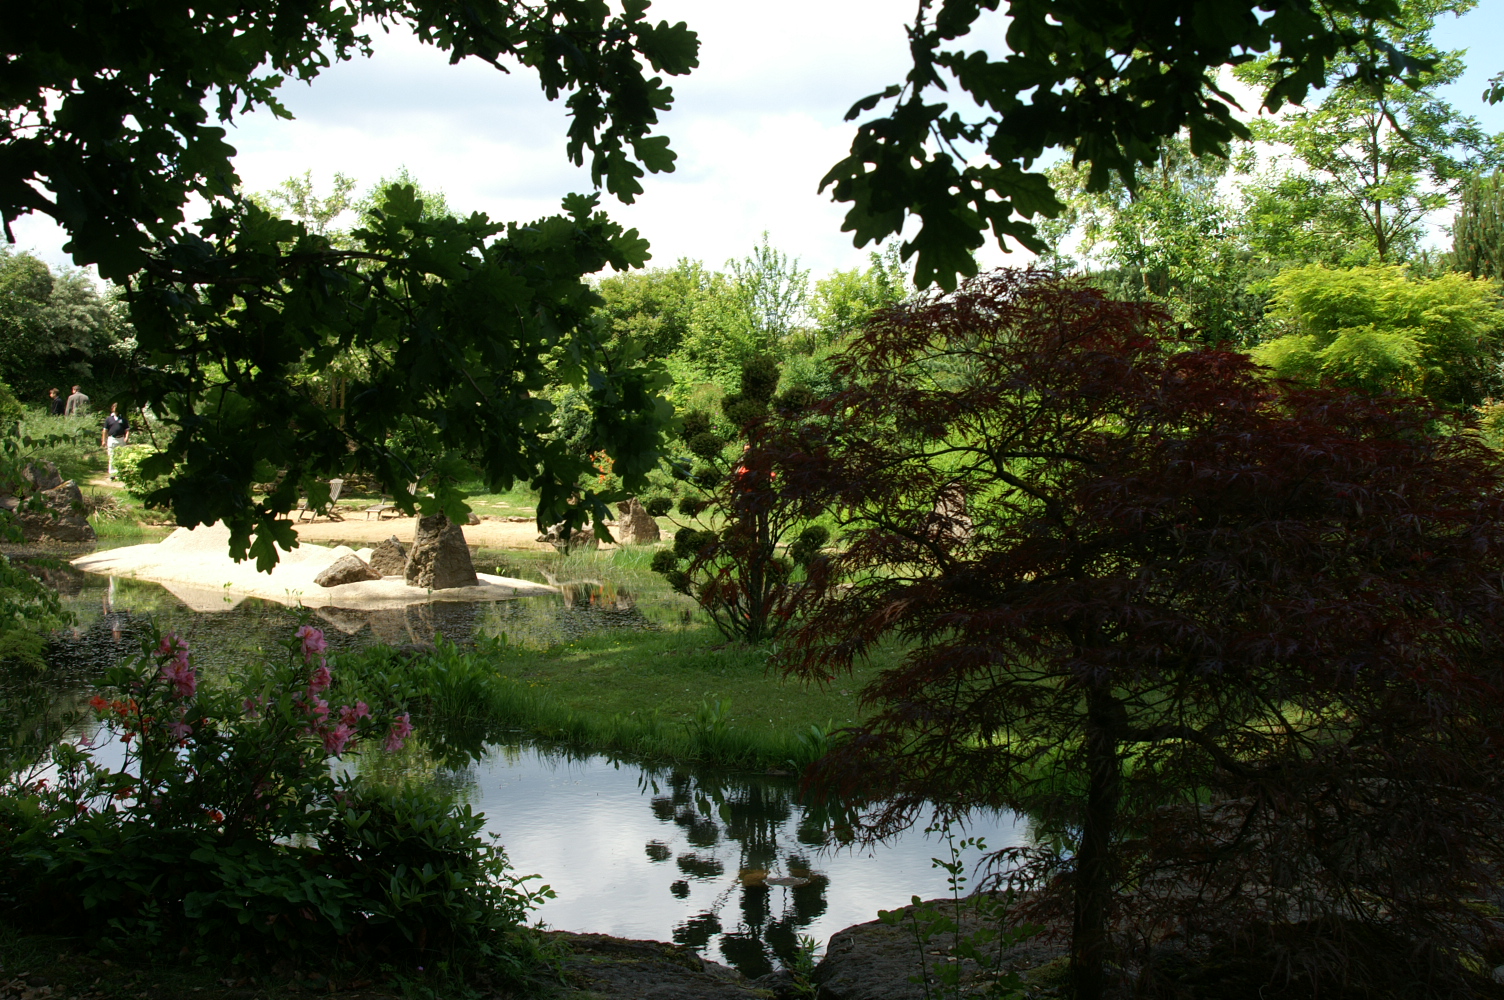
(636, 526)
(389, 558)
(63, 520)
(580, 538)
(346, 569)
(440, 559)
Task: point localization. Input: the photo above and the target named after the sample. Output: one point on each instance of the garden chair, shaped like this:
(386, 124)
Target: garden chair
(387, 507)
(335, 485)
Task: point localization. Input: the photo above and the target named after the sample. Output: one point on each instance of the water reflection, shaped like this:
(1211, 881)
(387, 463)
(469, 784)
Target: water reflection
(733, 865)
(113, 613)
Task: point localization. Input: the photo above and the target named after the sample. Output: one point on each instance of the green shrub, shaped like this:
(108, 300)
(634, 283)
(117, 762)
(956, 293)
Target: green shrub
(226, 833)
(128, 459)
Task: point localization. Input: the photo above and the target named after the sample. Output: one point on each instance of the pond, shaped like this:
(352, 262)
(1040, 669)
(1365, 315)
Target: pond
(686, 855)
(661, 853)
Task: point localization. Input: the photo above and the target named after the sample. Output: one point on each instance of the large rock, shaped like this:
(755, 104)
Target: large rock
(389, 558)
(873, 961)
(63, 518)
(346, 569)
(440, 559)
(580, 538)
(635, 526)
(41, 477)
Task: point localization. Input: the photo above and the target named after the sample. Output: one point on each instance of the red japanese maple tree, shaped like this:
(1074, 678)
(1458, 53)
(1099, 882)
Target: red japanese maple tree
(1235, 645)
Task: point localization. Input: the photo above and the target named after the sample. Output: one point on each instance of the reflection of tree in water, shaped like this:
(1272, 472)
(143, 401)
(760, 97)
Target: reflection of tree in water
(716, 813)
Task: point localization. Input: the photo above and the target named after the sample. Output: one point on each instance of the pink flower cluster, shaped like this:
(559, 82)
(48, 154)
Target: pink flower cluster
(338, 728)
(313, 643)
(178, 671)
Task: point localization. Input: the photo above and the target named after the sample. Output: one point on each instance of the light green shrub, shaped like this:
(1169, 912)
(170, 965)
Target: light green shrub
(128, 459)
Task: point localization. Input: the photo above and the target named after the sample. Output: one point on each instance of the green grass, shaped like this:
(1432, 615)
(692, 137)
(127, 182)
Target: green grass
(682, 695)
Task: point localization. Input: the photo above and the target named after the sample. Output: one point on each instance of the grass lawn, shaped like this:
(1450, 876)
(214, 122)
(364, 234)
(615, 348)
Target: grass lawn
(679, 674)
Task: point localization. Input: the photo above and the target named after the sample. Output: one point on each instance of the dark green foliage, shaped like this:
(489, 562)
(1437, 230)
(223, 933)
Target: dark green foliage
(706, 476)
(1108, 79)
(795, 401)
(658, 506)
(731, 564)
(226, 834)
(706, 445)
(107, 108)
(811, 540)
(55, 330)
(461, 323)
(1478, 229)
(693, 424)
(760, 378)
(1237, 647)
(688, 541)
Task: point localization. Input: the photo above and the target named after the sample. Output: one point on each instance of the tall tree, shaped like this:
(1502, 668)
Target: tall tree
(1235, 648)
(1391, 154)
(106, 123)
(55, 327)
(105, 129)
(1107, 79)
(1478, 229)
(1173, 239)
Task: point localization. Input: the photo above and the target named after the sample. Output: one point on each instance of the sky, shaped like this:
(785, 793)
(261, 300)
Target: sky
(755, 127)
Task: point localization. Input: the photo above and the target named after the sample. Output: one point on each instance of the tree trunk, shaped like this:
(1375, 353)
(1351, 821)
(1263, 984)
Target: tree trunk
(1094, 877)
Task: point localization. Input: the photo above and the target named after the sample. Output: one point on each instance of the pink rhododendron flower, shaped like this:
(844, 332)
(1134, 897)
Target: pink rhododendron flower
(336, 738)
(179, 730)
(313, 642)
(319, 680)
(172, 645)
(320, 707)
(181, 676)
(349, 715)
(402, 728)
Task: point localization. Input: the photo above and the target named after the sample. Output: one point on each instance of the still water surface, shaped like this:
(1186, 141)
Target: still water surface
(665, 854)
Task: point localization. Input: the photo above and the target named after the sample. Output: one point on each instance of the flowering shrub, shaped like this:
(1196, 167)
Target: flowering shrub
(225, 828)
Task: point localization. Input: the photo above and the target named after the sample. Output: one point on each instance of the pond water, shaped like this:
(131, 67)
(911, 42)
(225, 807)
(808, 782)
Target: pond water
(665, 854)
(684, 855)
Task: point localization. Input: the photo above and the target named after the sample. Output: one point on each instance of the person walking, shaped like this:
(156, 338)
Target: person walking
(55, 403)
(117, 431)
(77, 403)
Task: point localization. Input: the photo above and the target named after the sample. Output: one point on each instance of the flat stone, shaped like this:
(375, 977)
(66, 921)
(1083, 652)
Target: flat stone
(440, 559)
(346, 569)
(389, 558)
(874, 960)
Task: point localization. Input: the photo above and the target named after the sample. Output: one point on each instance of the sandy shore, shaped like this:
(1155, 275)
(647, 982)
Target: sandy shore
(196, 566)
(489, 533)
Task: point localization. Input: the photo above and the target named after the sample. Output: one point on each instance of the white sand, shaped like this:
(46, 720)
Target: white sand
(196, 567)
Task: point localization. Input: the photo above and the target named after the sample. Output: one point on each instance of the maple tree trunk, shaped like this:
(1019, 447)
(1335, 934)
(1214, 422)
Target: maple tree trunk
(1093, 871)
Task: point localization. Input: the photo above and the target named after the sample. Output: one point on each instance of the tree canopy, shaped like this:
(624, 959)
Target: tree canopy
(105, 127)
(1232, 646)
(461, 321)
(1107, 79)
